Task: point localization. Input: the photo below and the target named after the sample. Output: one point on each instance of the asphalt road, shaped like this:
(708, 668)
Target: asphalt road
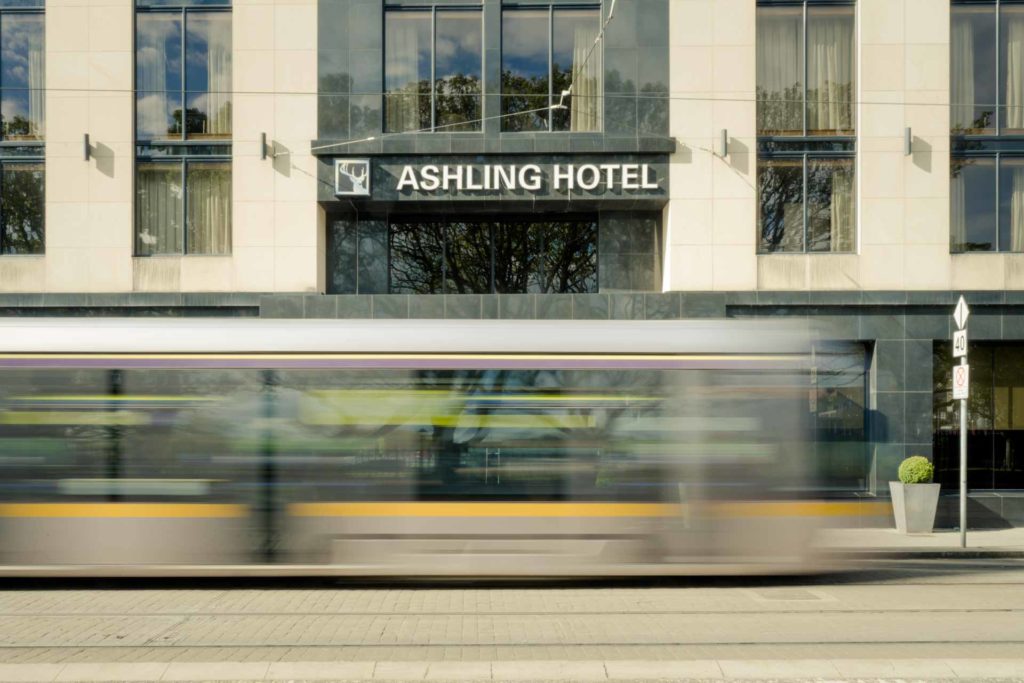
(927, 610)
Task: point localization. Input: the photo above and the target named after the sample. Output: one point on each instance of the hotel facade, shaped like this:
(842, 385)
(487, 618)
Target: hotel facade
(858, 163)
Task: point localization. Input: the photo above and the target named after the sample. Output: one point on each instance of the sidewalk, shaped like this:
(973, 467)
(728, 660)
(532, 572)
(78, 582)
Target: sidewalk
(888, 543)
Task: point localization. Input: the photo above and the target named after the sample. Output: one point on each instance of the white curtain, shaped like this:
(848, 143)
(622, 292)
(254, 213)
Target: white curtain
(962, 64)
(842, 219)
(1013, 28)
(1016, 206)
(37, 91)
(587, 102)
(218, 59)
(779, 70)
(158, 209)
(958, 210)
(209, 208)
(830, 73)
(153, 107)
(401, 70)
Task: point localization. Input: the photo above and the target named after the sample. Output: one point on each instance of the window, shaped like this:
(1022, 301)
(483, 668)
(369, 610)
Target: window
(22, 126)
(544, 51)
(483, 257)
(986, 113)
(987, 74)
(433, 70)
(806, 81)
(183, 128)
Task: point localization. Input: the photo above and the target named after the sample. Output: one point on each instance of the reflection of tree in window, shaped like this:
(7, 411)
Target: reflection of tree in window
(780, 191)
(417, 253)
(21, 208)
(570, 257)
(468, 258)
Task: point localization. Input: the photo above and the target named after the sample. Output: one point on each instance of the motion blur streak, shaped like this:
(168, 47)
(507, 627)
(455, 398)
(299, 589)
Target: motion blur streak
(422, 448)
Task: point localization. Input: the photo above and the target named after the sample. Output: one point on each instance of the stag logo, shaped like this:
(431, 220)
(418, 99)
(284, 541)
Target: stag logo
(352, 177)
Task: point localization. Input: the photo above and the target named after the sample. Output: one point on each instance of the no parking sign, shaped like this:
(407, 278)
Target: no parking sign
(961, 381)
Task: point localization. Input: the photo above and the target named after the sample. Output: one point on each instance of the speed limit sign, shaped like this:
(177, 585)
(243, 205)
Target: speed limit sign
(959, 343)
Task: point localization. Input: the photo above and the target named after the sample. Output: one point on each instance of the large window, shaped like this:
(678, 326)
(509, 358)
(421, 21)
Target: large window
(482, 257)
(433, 70)
(987, 118)
(22, 123)
(995, 414)
(544, 51)
(806, 83)
(183, 128)
(987, 68)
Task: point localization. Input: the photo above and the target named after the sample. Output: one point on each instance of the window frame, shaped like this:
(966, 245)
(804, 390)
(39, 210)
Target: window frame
(551, 8)
(433, 9)
(998, 105)
(807, 147)
(997, 156)
(183, 161)
(804, 4)
(492, 221)
(16, 152)
(182, 150)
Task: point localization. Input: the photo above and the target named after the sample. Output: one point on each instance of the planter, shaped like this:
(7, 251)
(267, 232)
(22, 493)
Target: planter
(914, 506)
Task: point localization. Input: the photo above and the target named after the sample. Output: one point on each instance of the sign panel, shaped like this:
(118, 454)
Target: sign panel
(352, 177)
(959, 343)
(961, 313)
(961, 381)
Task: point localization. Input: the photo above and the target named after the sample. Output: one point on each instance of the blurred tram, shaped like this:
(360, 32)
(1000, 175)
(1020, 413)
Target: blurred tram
(416, 448)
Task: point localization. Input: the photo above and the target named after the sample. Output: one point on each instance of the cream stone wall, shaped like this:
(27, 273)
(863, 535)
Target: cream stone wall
(276, 232)
(710, 218)
(88, 203)
(903, 207)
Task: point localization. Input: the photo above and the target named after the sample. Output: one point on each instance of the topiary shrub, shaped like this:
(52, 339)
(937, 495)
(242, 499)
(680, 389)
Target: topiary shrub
(916, 470)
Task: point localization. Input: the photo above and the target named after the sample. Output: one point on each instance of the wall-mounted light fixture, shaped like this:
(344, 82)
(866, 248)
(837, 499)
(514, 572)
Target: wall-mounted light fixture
(723, 144)
(86, 151)
(263, 146)
(908, 142)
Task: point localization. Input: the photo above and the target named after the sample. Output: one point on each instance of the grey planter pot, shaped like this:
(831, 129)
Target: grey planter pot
(914, 506)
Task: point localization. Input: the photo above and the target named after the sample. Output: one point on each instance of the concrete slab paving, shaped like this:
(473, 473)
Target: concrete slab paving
(549, 670)
(29, 673)
(216, 671)
(655, 670)
(320, 671)
(893, 668)
(113, 671)
(987, 668)
(400, 671)
(459, 671)
(779, 668)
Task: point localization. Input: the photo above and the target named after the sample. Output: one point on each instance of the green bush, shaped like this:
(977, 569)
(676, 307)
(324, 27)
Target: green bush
(916, 470)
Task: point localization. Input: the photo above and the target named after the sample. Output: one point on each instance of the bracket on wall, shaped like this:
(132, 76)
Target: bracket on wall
(86, 150)
(908, 142)
(723, 144)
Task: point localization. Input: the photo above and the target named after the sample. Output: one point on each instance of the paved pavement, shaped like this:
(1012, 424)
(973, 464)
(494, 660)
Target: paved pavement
(879, 541)
(922, 619)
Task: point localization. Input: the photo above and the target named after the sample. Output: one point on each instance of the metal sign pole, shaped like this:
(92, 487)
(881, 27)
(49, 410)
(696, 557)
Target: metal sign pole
(963, 467)
(961, 390)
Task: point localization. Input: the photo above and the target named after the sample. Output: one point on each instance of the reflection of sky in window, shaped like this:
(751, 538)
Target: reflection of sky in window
(205, 36)
(567, 23)
(980, 204)
(158, 52)
(458, 49)
(20, 35)
(524, 50)
(407, 49)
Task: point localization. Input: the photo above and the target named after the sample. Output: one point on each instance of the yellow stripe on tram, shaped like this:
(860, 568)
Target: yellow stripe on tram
(123, 510)
(505, 509)
(737, 509)
(395, 356)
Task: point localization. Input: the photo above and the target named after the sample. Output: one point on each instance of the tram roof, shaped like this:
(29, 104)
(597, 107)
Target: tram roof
(261, 335)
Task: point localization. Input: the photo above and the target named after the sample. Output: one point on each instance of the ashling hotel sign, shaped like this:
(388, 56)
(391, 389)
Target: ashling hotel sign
(353, 177)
